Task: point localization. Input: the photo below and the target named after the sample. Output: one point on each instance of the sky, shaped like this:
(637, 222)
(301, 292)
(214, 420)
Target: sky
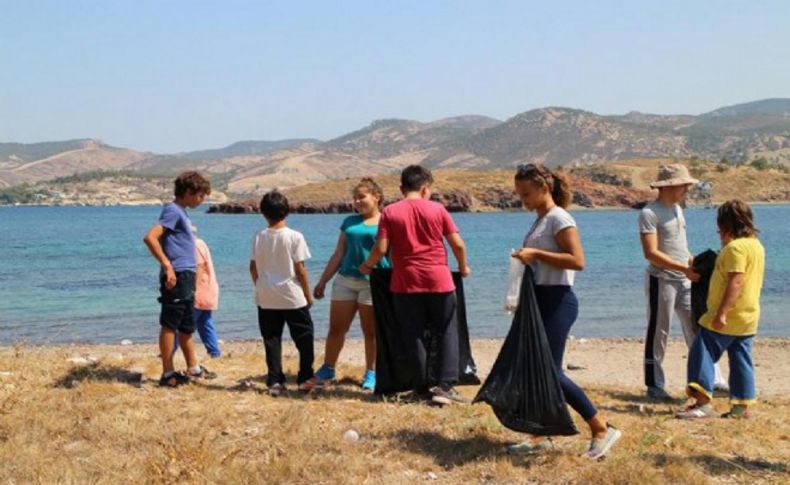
(172, 76)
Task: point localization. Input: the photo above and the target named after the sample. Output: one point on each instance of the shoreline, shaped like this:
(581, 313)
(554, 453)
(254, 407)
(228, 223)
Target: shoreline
(594, 362)
(488, 210)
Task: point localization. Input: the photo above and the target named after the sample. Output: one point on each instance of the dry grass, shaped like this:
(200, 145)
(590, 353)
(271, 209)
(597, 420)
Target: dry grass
(96, 422)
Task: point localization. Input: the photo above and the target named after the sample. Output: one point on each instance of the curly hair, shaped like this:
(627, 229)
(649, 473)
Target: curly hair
(192, 182)
(541, 175)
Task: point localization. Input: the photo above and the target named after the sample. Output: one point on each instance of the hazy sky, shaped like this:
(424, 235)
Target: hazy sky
(174, 76)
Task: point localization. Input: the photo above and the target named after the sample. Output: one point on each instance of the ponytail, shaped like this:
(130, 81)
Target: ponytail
(555, 181)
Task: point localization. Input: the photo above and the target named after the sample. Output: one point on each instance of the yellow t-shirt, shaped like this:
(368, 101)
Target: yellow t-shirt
(743, 255)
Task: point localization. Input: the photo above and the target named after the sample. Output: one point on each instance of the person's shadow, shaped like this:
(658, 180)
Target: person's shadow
(100, 372)
(450, 453)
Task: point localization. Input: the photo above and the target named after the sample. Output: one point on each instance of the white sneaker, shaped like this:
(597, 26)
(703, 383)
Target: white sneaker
(599, 447)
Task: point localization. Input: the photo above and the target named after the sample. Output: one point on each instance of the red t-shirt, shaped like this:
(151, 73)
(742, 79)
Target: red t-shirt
(415, 229)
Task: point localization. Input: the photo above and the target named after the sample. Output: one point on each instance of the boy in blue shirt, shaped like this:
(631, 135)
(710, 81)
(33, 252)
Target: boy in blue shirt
(172, 243)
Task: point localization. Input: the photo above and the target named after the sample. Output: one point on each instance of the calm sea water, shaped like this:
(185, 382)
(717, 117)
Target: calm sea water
(82, 274)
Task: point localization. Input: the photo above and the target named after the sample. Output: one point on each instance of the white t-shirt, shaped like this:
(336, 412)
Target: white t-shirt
(542, 236)
(275, 251)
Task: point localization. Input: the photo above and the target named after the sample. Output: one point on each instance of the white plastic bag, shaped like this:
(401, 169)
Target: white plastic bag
(513, 287)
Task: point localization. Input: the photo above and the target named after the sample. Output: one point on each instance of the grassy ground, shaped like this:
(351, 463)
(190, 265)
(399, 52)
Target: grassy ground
(97, 421)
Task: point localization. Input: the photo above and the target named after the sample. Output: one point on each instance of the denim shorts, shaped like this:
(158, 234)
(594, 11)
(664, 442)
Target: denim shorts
(348, 288)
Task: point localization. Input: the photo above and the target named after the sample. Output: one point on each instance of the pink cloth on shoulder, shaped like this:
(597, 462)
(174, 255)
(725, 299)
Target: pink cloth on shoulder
(206, 287)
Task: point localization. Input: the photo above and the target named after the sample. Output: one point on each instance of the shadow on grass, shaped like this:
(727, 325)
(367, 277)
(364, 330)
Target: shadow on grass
(99, 372)
(257, 384)
(719, 465)
(449, 453)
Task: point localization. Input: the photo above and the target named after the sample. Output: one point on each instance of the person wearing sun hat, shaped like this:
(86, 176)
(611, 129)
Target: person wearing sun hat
(662, 232)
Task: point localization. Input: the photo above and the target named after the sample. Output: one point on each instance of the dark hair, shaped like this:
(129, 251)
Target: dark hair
(414, 177)
(556, 182)
(735, 219)
(274, 206)
(191, 182)
(372, 187)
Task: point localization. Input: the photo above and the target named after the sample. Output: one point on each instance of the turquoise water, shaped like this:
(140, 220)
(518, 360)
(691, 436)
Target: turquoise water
(82, 274)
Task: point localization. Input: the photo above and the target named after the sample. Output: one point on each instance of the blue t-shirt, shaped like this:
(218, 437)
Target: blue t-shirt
(178, 241)
(360, 238)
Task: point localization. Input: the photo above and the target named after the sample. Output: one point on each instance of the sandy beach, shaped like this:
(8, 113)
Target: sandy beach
(602, 362)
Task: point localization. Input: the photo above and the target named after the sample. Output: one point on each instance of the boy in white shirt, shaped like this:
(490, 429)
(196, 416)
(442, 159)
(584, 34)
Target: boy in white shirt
(282, 292)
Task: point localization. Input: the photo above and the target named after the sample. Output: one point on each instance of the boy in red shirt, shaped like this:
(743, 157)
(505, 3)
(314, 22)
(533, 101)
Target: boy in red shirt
(413, 230)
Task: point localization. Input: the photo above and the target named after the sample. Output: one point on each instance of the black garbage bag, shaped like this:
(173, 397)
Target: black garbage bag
(523, 388)
(703, 263)
(394, 369)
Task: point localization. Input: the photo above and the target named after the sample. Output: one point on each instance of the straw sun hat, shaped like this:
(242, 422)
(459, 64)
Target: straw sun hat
(671, 175)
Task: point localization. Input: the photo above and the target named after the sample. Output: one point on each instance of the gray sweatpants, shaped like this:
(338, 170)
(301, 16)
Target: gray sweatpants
(665, 297)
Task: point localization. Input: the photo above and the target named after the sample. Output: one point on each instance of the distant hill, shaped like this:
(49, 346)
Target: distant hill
(247, 148)
(770, 107)
(30, 163)
(570, 137)
(22, 152)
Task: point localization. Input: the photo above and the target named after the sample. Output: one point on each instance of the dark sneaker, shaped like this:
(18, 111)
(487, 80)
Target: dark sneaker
(277, 389)
(173, 379)
(738, 411)
(659, 394)
(202, 374)
(599, 447)
(307, 385)
(696, 411)
(447, 396)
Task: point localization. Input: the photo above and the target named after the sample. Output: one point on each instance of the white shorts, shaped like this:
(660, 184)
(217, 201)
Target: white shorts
(348, 288)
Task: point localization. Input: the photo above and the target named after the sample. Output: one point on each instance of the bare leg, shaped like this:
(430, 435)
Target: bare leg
(341, 314)
(188, 348)
(367, 318)
(701, 398)
(597, 426)
(167, 342)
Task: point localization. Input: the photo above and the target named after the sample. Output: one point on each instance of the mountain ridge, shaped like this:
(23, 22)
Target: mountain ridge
(553, 135)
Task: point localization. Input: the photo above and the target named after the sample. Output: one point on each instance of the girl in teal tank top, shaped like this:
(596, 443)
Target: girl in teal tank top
(351, 289)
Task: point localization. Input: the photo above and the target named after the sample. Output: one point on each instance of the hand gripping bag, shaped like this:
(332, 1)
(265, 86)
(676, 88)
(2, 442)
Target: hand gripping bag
(523, 388)
(393, 368)
(704, 264)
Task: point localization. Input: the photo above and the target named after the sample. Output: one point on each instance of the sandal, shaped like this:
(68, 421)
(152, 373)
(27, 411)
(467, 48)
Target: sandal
(203, 374)
(173, 379)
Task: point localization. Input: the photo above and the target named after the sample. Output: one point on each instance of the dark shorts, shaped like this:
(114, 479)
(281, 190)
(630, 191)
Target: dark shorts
(178, 303)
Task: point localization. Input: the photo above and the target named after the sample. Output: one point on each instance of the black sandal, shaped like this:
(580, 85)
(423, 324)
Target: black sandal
(173, 379)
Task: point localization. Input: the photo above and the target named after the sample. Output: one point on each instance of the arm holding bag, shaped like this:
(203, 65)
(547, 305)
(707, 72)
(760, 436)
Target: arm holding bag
(523, 388)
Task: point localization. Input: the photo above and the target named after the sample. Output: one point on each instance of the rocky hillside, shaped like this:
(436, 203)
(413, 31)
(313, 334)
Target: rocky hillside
(554, 136)
(622, 184)
(757, 131)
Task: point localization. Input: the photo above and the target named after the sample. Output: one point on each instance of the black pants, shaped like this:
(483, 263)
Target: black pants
(300, 326)
(434, 313)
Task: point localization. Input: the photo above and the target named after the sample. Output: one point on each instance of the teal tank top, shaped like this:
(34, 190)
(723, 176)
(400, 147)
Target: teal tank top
(360, 238)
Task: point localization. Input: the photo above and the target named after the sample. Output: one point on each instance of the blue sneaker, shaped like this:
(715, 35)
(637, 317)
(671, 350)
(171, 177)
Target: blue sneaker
(369, 381)
(325, 374)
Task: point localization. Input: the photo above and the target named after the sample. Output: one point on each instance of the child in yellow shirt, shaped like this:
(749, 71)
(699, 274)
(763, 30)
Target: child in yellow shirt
(733, 315)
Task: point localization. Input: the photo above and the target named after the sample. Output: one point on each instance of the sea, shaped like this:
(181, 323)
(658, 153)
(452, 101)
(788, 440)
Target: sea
(83, 274)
